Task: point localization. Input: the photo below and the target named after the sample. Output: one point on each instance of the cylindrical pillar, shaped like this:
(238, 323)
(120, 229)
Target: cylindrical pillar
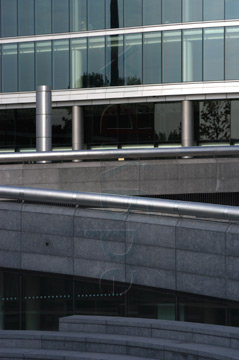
(187, 123)
(77, 128)
(43, 118)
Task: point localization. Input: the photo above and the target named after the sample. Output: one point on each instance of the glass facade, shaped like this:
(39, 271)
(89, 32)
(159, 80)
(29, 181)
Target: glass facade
(36, 301)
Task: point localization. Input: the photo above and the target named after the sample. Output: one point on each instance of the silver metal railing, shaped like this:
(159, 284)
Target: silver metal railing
(179, 208)
(207, 151)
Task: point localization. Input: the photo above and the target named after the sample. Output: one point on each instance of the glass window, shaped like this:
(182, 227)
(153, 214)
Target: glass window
(152, 12)
(152, 58)
(78, 63)
(9, 301)
(96, 61)
(78, 18)
(171, 11)
(26, 67)
(167, 121)
(61, 76)
(43, 63)
(213, 60)
(43, 16)
(192, 10)
(61, 127)
(114, 14)
(114, 60)
(133, 59)
(26, 17)
(145, 121)
(192, 55)
(60, 15)
(133, 13)
(9, 68)
(231, 53)
(96, 14)
(234, 119)
(232, 9)
(9, 17)
(213, 9)
(171, 56)
(0, 68)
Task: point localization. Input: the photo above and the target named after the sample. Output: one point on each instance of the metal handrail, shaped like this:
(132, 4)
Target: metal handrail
(207, 151)
(179, 208)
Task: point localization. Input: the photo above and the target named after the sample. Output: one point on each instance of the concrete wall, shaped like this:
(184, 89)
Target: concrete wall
(191, 255)
(129, 177)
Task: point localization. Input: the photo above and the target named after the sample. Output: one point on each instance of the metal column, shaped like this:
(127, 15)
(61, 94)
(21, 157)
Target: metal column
(77, 128)
(187, 123)
(43, 118)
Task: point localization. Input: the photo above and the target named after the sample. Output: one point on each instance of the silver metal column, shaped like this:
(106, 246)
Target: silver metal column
(77, 128)
(187, 123)
(43, 118)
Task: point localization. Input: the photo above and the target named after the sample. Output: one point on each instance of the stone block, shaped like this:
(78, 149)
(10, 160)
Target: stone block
(47, 263)
(10, 240)
(40, 176)
(10, 259)
(156, 171)
(10, 219)
(232, 266)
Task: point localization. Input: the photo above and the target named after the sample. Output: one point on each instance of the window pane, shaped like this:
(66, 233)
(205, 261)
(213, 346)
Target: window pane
(114, 14)
(234, 119)
(213, 9)
(192, 10)
(9, 68)
(151, 12)
(152, 58)
(232, 9)
(171, 11)
(167, 121)
(96, 14)
(60, 16)
(26, 17)
(26, 67)
(213, 54)
(231, 53)
(61, 64)
(133, 59)
(43, 63)
(78, 63)
(78, 15)
(9, 17)
(96, 61)
(171, 56)
(133, 13)
(192, 55)
(43, 16)
(114, 60)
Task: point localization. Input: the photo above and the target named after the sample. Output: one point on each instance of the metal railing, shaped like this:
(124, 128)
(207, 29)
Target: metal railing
(156, 153)
(130, 203)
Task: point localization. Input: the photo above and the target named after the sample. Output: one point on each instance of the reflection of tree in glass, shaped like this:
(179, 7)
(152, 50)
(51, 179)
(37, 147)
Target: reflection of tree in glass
(215, 120)
(133, 80)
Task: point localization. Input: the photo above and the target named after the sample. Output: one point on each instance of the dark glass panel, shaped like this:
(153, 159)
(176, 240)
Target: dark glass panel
(114, 14)
(114, 60)
(192, 55)
(25, 17)
(231, 53)
(78, 63)
(171, 11)
(60, 16)
(96, 61)
(167, 122)
(9, 301)
(43, 63)
(152, 58)
(61, 71)
(127, 124)
(96, 14)
(152, 12)
(213, 10)
(213, 59)
(43, 16)
(62, 127)
(0, 68)
(26, 67)
(9, 68)
(234, 119)
(232, 9)
(171, 56)
(214, 120)
(145, 121)
(133, 59)
(192, 10)
(78, 16)
(133, 13)
(9, 17)
(104, 124)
